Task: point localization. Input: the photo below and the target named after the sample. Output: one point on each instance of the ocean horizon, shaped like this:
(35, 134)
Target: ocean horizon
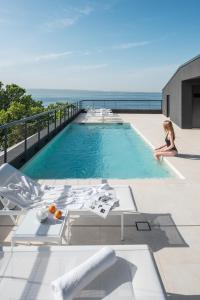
(49, 96)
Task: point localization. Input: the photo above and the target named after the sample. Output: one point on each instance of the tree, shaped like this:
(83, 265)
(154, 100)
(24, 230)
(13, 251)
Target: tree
(14, 93)
(15, 104)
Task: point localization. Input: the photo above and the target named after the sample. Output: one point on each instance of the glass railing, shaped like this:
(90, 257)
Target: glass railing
(20, 139)
(146, 104)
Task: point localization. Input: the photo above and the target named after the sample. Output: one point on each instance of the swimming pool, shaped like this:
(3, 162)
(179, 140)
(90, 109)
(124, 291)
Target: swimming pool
(96, 151)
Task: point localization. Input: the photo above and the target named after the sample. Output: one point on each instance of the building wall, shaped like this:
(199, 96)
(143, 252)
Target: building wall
(180, 90)
(174, 90)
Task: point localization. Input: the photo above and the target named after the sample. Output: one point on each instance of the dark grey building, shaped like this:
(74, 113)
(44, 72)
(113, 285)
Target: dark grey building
(181, 95)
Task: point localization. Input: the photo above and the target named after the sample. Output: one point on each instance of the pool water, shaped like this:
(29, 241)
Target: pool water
(96, 151)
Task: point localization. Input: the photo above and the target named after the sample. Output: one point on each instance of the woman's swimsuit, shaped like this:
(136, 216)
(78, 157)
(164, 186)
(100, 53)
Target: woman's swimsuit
(169, 144)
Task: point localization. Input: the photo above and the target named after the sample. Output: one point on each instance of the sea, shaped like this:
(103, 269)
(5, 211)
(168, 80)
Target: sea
(49, 96)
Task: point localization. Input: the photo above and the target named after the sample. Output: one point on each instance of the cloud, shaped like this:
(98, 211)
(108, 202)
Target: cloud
(61, 23)
(93, 67)
(123, 46)
(131, 45)
(87, 67)
(140, 72)
(50, 56)
(87, 10)
(73, 14)
(57, 55)
(33, 59)
(84, 53)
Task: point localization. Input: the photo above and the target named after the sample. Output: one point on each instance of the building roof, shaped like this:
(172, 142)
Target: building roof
(181, 66)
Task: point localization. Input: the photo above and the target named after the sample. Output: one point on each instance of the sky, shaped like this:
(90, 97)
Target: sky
(110, 45)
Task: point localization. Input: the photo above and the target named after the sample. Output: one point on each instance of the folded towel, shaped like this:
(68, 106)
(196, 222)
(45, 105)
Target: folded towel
(105, 186)
(69, 285)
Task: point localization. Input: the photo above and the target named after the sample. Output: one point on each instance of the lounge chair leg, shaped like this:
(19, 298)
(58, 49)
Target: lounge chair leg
(68, 230)
(122, 227)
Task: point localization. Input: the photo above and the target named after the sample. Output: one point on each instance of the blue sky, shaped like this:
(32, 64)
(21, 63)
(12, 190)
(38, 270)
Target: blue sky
(122, 45)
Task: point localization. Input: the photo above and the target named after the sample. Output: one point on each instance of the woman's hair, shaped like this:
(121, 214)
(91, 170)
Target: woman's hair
(168, 126)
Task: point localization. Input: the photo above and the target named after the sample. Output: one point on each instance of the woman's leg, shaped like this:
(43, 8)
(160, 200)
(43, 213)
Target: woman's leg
(158, 154)
(161, 149)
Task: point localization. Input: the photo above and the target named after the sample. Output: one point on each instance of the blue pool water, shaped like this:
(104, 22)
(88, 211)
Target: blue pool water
(96, 151)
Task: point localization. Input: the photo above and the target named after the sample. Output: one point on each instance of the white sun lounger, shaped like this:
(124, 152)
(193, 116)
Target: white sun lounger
(22, 197)
(19, 189)
(126, 206)
(27, 273)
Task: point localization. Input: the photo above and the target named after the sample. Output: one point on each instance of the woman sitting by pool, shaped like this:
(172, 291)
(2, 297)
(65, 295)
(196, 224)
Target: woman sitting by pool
(169, 149)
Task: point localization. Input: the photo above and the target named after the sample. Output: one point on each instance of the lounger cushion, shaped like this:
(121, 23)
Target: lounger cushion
(28, 273)
(127, 202)
(122, 193)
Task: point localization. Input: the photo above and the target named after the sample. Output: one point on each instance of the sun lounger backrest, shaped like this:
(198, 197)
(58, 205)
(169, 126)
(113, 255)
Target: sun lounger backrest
(17, 187)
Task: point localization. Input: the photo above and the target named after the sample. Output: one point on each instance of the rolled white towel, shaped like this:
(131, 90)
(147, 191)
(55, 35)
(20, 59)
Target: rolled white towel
(70, 284)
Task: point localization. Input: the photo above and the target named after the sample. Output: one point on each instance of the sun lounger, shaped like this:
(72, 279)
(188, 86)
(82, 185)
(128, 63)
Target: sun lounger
(126, 205)
(19, 189)
(27, 273)
(99, 112)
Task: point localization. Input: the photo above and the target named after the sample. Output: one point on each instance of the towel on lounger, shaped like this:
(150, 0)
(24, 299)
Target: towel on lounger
(69, 285)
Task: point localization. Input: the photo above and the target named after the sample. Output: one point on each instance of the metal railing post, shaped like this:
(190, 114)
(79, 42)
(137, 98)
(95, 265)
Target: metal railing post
(55, 119)
(38, 128)
(5, 144)
(64, 115)
(25, 140)
(60, 110)
(48, 129)
(71, 112)
(67, 113)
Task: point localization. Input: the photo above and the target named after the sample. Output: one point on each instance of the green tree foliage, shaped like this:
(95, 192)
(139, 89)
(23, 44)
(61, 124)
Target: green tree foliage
(13, 93)
(15, 104)
(57, 105)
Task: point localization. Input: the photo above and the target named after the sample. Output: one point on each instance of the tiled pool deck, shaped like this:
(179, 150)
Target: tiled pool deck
(171, 206)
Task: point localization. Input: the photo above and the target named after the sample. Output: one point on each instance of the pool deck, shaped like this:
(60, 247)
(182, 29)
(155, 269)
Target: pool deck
(171, 206)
